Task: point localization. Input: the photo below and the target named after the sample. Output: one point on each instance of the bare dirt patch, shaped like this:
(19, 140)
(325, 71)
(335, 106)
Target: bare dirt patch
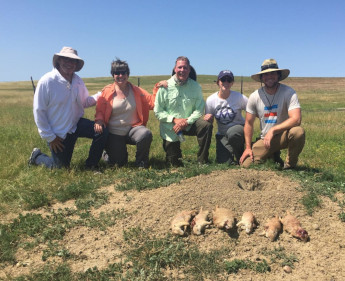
(263, 192)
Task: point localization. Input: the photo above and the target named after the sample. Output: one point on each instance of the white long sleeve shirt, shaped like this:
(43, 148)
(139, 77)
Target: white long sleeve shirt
(58, 104)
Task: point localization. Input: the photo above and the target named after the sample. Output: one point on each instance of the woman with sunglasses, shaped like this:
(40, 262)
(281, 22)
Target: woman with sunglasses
(226, 107)
(124, 109)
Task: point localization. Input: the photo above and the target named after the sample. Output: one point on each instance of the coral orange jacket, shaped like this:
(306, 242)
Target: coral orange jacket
(144, 103)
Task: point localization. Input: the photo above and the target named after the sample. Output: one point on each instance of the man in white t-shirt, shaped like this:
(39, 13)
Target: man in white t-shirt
(278, 109)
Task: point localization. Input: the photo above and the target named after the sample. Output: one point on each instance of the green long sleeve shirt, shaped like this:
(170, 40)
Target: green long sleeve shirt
(176, 101)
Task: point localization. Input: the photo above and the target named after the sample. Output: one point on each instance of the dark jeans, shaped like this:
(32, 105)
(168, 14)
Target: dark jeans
(203, 131)
(230, 145)
(85, 129)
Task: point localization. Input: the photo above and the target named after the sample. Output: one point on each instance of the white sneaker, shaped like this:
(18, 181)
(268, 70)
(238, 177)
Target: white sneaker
(35, 152)
(105, 157)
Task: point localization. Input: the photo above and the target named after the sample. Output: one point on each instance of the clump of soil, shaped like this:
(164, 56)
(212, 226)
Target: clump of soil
(264, 193)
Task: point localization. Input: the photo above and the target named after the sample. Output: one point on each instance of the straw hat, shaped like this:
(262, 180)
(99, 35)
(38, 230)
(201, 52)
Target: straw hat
(270, 65)
(68, 52)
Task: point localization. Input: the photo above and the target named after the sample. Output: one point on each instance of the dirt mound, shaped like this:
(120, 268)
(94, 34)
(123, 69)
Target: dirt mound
(262, 192)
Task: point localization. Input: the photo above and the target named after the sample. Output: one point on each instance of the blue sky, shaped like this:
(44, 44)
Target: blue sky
(308, 37)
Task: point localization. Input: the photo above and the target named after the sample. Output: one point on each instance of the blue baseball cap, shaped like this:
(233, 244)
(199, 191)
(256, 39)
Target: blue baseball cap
(224, 73)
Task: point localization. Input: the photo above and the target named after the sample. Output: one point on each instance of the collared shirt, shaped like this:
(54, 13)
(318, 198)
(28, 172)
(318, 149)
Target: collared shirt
(176, 101)
(58, 104)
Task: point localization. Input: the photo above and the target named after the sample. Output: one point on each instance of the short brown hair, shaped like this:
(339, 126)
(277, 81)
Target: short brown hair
(119, 65)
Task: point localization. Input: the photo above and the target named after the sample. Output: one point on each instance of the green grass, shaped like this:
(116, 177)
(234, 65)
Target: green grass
(321, 172)
(279, 255)
(51, 228)
(147, 258)
(22, 187)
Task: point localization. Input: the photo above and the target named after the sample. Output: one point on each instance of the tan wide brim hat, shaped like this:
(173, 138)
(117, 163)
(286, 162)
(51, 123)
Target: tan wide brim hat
(68, 52)
(270, 65)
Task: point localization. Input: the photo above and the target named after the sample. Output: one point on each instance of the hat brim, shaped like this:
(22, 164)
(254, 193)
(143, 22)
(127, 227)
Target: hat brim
(225, 75)
(80, 62)
(284, 74)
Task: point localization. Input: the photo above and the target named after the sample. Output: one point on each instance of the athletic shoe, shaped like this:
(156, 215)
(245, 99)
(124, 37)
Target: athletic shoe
(35, 152)
(105, 157)
(143, 165)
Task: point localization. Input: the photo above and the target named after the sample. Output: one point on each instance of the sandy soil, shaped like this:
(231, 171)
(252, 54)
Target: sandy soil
(265, 193)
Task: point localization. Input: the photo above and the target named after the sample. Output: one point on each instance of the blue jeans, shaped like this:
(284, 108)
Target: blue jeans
(85, 129)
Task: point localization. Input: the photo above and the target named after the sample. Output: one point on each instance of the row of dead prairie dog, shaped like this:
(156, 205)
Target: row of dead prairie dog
(224, 219)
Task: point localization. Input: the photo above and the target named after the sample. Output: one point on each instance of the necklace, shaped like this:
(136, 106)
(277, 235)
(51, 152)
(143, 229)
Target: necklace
(272, 102)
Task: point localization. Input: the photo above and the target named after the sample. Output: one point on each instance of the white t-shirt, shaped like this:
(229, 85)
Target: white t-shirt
(227, 112)
(272, 109)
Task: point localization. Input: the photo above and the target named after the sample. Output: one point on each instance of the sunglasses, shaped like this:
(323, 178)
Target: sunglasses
(68, 60)
(267, 66)
(120, 72)
(226, 79)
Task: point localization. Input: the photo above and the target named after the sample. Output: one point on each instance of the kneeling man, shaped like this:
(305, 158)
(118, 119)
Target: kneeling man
(278, 109)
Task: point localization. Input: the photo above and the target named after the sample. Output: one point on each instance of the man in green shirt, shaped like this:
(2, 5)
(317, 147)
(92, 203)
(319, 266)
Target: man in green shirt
(179, 108)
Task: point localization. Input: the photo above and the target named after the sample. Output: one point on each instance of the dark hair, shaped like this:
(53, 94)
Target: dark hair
(119, 65)
(192, 73)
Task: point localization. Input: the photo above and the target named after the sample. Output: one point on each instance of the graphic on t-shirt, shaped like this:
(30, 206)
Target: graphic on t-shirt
(224, 114)
(270, 114)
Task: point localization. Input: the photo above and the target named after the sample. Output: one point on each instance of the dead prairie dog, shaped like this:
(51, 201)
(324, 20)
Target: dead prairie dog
(293, 226)
(200, 221)
(272, 228)
(223, 218)
(181, 220)
(248, 222)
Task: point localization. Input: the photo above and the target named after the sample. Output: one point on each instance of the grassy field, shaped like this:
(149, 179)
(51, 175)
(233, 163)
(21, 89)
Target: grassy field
(321, 168)
(22, 187)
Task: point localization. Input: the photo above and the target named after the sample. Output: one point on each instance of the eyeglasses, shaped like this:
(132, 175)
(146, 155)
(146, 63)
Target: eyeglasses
(226, 79)
(120, 72)
(267, 66)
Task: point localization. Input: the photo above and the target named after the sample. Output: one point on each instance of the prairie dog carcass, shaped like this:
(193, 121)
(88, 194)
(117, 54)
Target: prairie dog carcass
(293, 226)
(223, 218)
(248, 222)
(272, 228)
(180, 222)
(200, 221)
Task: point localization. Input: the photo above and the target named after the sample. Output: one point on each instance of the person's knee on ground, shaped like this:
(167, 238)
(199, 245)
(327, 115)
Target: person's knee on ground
(235, 141)
(117, 150)
(296, 141)
(223, 155)
(143, 145)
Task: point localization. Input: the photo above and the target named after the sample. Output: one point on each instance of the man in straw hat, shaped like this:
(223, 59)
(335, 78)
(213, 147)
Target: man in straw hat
(59, 102)
(279, 111)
